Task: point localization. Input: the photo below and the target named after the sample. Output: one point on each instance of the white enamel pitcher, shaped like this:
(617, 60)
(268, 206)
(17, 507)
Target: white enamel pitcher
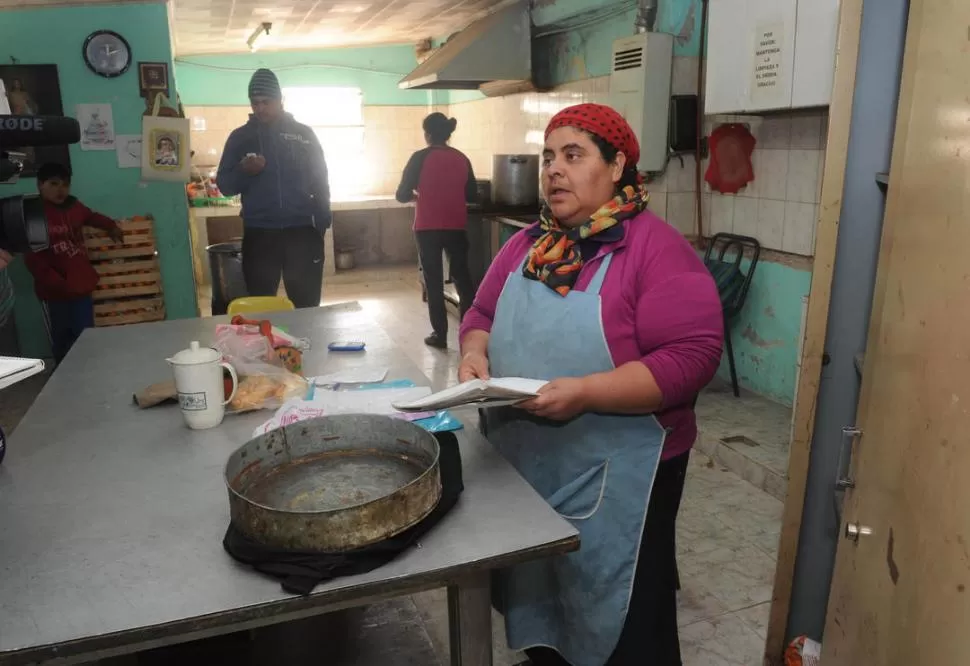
(201, 390)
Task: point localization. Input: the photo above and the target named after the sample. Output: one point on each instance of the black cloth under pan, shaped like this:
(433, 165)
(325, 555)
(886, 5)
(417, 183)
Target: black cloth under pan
(300, 572)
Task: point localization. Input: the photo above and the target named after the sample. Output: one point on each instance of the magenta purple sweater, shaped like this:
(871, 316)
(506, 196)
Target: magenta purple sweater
(659, 306)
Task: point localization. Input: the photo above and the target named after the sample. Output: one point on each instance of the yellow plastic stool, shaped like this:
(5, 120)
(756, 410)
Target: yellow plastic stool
(254, 304)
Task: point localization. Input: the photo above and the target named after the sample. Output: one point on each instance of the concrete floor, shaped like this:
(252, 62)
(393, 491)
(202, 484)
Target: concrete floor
(728, 527)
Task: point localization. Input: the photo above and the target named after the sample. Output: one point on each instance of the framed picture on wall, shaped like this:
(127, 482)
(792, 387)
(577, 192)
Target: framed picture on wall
(152, 77)
(34, 90)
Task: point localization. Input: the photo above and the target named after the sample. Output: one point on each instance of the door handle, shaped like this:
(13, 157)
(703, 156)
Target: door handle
(843, 479)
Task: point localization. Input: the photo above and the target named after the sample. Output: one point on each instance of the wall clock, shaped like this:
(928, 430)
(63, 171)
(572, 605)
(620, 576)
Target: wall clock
(106, 53)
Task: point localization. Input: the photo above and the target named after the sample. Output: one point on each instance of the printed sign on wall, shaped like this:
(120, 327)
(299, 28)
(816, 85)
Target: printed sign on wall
(769, 74)
(97, 126)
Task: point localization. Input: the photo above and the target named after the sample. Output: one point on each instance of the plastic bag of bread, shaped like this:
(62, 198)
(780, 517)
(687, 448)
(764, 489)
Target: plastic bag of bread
(267, 391)
(264, 382)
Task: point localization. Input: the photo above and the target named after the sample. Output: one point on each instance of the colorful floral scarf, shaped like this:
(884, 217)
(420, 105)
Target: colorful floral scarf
(555, 258)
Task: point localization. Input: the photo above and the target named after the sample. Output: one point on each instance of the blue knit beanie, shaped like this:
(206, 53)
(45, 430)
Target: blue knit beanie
(265, 84)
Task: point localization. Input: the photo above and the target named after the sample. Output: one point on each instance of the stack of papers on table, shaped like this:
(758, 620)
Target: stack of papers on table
(330, 403)
(496, 392)
(373, 401)
(352, 376)
(14, 369)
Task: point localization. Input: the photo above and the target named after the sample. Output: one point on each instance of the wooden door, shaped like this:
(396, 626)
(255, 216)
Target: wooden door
(900, 595)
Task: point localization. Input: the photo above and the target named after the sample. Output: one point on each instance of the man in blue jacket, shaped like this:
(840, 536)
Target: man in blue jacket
(277, 165)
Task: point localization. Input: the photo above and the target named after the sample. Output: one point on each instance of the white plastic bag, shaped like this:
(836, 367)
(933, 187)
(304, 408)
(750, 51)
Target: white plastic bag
(165, 149)
(329, 403)
(263, 381)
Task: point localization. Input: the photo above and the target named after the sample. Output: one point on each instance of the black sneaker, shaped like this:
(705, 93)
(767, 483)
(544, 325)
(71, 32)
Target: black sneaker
(436, 341)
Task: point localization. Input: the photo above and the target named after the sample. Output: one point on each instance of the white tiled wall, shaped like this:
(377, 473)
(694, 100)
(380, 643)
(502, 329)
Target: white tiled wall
(391, 135)
(780, 207)
(515, 124)
(218, 122)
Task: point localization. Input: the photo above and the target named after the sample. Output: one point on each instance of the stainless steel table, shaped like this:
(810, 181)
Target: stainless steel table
(112, 518)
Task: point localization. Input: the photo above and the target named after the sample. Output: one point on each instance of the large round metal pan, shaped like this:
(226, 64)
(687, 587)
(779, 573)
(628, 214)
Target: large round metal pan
(334, 483)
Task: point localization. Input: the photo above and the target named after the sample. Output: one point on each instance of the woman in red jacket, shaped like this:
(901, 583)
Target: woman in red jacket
(64, 278)
(441, 179)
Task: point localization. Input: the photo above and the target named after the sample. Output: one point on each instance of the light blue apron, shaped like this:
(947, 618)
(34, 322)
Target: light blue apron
(596, 471)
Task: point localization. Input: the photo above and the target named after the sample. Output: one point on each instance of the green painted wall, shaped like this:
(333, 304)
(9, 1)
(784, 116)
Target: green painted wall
(222, 80)
(547, 13)
(55, 36)
(564, 53)
(765, 335)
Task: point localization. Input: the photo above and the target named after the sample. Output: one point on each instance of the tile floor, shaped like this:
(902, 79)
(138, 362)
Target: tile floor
(748, 435)
(727, 528)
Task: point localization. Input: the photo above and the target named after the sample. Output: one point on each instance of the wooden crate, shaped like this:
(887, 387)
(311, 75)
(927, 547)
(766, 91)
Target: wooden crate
(130, 288)
(139, 241)
(128, 278)
(129, 311)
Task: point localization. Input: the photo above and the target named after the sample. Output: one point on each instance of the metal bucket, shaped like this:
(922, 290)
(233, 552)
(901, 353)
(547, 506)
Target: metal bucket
(225, 265)
(346, 260)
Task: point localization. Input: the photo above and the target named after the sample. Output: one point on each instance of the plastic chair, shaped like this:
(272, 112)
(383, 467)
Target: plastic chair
(255, 304)
(732, 282)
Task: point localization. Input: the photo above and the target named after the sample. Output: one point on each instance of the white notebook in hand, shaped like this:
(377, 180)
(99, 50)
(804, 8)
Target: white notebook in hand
(14, 369)
(495, 392)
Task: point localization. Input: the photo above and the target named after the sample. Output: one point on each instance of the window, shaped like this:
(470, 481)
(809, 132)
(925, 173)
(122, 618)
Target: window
(336, 116)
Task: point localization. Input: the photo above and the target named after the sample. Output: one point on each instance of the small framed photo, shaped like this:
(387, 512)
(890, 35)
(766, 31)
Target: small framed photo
(152, 77)
(167, 150)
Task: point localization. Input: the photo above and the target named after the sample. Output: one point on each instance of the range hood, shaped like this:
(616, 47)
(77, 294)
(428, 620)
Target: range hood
(495, 52)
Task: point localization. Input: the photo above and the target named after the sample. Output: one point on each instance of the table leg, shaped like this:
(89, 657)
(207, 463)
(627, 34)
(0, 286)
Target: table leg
(470, 621)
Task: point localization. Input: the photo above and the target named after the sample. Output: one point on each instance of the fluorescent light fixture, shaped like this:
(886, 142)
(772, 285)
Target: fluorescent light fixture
(258, 37)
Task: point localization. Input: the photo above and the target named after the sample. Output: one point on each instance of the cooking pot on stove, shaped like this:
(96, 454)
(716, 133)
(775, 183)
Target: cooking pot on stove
(515, 180)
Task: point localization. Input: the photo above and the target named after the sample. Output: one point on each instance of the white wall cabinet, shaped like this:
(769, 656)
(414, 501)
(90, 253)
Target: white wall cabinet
(727, 22)
(816, 38)
(767, 55)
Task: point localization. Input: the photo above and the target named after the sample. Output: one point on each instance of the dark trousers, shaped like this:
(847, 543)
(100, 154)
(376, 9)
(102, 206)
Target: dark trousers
(295, 254)
(649, 636)
(430, 246)
(66, 320)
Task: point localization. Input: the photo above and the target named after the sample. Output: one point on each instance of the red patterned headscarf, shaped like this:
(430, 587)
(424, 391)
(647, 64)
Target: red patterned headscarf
(556, 257)
(604, 122)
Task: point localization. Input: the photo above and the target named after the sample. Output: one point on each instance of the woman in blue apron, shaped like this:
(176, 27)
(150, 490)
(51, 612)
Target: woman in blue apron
(614, 308)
